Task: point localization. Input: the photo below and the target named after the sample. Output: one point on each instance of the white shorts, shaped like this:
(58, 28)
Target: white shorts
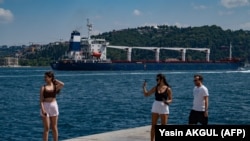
(160, 107)
(51, 108)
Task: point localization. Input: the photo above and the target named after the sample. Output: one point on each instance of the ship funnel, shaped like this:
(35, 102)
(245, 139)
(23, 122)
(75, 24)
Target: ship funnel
(75, 40)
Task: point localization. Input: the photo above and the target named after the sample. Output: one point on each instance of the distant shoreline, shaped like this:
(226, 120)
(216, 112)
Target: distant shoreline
(17, 66)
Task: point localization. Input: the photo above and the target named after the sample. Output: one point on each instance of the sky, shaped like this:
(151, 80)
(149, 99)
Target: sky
(25, 22)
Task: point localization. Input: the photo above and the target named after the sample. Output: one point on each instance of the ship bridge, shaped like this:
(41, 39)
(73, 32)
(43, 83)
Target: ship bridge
(157, 51)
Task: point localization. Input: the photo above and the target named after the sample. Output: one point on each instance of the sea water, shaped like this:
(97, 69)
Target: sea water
(100, 101)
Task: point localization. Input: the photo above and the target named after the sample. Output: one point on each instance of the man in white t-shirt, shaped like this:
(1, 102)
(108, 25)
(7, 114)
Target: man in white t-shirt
(199, 112)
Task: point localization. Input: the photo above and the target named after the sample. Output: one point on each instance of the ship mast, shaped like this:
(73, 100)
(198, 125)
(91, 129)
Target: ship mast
(89, 28)
(230, 52)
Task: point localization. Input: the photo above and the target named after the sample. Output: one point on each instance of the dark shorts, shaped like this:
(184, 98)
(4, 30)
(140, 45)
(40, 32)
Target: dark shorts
(196, 117)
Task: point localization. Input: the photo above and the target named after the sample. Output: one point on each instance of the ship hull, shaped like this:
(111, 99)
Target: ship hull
(130, 66)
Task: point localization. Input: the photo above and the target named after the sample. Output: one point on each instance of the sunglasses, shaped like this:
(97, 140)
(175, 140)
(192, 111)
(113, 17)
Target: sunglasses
(195, 80)
(157, 79)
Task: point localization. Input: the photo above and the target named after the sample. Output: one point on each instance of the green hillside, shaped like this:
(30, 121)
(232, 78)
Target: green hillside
(213, 37)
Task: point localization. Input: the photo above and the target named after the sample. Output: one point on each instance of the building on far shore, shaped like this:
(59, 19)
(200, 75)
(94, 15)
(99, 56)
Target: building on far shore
(9, 61)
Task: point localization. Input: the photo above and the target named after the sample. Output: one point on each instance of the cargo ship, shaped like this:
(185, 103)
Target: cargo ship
(89, 54)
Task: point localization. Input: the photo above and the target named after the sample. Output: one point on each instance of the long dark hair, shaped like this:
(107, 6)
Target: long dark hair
(51, 75)
(162, 77)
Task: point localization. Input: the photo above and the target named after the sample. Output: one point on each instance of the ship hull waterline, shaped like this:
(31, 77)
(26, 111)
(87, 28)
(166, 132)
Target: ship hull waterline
(129, 66)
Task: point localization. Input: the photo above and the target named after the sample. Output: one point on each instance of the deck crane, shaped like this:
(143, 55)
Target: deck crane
(128, 49)
(156, 49)
(182, 50)
(206, 50)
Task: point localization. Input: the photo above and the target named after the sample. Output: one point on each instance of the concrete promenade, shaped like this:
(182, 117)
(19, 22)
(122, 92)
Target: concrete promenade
(131, 134)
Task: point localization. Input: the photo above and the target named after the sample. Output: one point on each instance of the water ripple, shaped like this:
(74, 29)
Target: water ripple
(96, 102)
